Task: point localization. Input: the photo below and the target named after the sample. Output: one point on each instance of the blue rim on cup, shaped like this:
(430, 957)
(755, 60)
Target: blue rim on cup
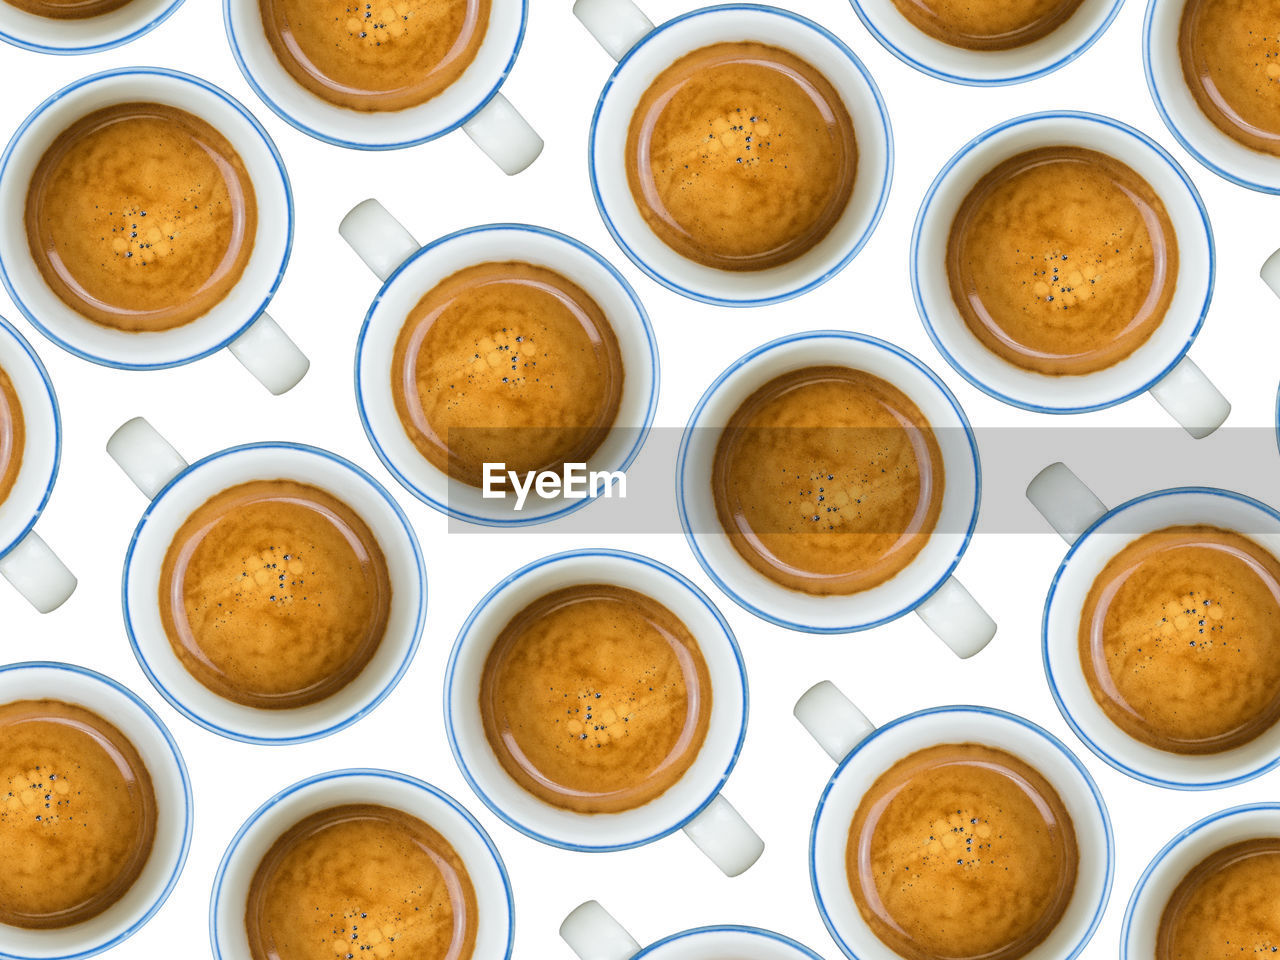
(39, 34)
(732, 929)
(484, 864)
(658, 50)
(42, 485)
(173, 839)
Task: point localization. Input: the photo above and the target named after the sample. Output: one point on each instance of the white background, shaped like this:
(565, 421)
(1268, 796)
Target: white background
(446, 185)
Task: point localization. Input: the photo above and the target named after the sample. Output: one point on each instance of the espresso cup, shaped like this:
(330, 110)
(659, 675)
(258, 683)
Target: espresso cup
(159, 753)
(643, 52)
(408, 272)
(926, 584)
(1097, 535)
(472, 102)
(176, 489)
(83, 34)
(1159, 365)
(593, 934)
(864, 753)
(693, 803)
(238, 321)
(495, 907)
(25, 559)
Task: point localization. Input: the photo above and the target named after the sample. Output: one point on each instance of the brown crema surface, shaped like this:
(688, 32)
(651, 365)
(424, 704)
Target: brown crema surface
(363, 881)
(141, 217)
(1062, 261)
(828, 480)
(987, 24)
(68, 9)
(274, 594)
(77, 814)
(1230, 53)
(13, 436)
(1225, 908)
(376, 55)
(595, 698)
(1180, 639)
(506, 363)
(741, 156)
(962, 851)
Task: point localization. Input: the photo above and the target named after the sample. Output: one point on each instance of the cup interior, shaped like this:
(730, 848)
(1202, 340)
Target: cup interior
(42, 442)
(226, 319)
(270, 461)
(713, 943)
(1042, 392)
(87, 35)
(554, 825)
(736, 23)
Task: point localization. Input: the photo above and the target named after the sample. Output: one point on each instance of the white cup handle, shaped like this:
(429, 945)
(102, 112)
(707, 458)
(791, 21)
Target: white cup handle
(1065, 501)
(1191, 399)
(267, 352)
(957, 618)
(593, 934)
(617, 25)
(832, 720)
(728, 841)
(145, 456)
(378, 238)
(36, 572)
(501, 131)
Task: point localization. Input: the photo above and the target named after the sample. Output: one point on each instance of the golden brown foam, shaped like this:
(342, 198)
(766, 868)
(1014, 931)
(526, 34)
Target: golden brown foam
(987, 24)
(962, 851)
(13, 436)
(506, 363)
(1225, 907)
(1062, 260)
(1230, 52)
(141, 217)
(361, 882)
(77, 814)
(596, 698)
(741, 156)
(828, 480)
(1180, 639)
(274, 594)
(370, 56)
(68, 9)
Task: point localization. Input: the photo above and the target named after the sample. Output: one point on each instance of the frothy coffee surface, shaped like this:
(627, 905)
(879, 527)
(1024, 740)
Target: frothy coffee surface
(372, 56)
(361, 881)
(596, 698)
(828, 480)
(274, 594)
(1062, 260)
(1230, 52)
(68, 9)
(962, 851)
(77, 814)
(506, 363)
(141, 217)
(1180, 639)
(1225, 907)
(987, 24)
(741, 156)
(13, 436)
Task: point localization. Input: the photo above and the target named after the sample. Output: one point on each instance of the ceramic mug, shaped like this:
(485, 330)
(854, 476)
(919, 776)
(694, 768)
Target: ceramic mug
(1160, 365)
(642, 52)
(693, 804)
(176, 489)
(76, 35)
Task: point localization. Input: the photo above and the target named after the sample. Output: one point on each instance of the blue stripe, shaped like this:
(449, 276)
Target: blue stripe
(120, 41)
(8, 328)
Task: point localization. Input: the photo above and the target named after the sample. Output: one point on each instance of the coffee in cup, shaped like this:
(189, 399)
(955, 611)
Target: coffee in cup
(68, 9)
(13, 435)
(987, 24)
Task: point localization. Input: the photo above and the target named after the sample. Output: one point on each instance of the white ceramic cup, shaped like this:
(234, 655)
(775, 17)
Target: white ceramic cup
(643, 52)
(926, 584)
(409, 271)
(1140, 929)
(1160, 365)
(239, 321)
(495, 935)
(472, 102)
(864, 752)
(693, 804)
(25, 559)
(84, 35)
(593, 934)
(155, 745)
(1096, 535)
(176, 489)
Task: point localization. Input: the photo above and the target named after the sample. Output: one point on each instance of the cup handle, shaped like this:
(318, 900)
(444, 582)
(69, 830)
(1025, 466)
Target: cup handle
(957, 618)
(267, 352)
(378, 238)
(617, 25)
(501, 131)
(832, 720)
(728, 841)
(593, 934)
(1191, 399)
(36, 572)
(1065, 501)
(145, 456)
